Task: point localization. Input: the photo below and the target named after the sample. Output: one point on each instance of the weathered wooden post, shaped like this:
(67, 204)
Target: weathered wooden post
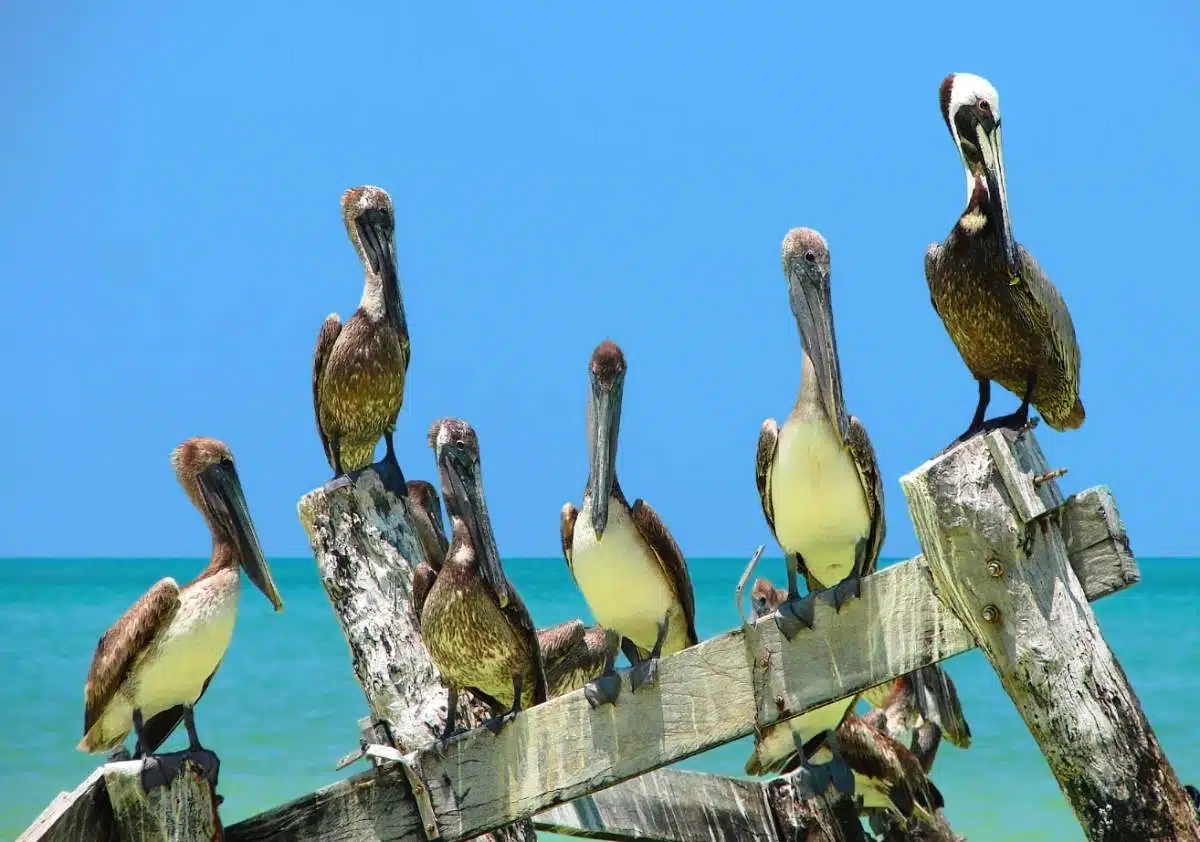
(801, 816)
(366, 549)
(986, 514)
(183, 811)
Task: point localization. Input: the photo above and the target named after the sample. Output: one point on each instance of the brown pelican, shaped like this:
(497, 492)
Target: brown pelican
(155, 663)
(817, 476)
(1004, 315)
(780, 747)
(625, 562)
(886, 775)
(359, 367)
(475, 626)
(575, 655)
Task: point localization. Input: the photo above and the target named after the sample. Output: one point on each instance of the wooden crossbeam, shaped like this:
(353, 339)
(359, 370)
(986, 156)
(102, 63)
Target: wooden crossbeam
(706, 696)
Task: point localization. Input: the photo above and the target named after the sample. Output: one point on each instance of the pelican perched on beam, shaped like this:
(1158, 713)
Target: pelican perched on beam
(359, 367)
(155, 663)
(575, 655)
(1004, 315)
(628, 567)
(818, 478)
(473, 622)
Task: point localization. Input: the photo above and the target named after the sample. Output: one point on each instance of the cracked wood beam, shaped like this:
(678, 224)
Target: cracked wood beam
(986, 513)
(706, 696)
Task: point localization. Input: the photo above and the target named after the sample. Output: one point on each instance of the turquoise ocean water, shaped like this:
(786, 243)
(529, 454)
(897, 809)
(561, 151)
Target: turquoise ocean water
(283, 708)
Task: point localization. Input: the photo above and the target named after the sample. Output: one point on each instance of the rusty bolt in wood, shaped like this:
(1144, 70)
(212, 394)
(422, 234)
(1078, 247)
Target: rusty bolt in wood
(991, 613)
(764, 661)
(1042, 479)
(995, 569)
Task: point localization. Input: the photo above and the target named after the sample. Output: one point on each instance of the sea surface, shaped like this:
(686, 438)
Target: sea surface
(283, 708)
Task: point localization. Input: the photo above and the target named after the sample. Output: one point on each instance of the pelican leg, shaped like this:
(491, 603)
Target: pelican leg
(985, 397)
(389, 469)
(157, 770)
(497, 723)
(796, 613)
(850, 587)
(646, 672)
(340, 480)
(209, 763)
(451, 713)
(1014, 420)
(605, 689)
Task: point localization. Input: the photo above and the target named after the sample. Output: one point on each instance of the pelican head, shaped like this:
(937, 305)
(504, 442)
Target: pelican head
(371, 225)
(765, 598)
(806, 265)
(456, 450)
(607, 373)
(205, 469)
(971, 109)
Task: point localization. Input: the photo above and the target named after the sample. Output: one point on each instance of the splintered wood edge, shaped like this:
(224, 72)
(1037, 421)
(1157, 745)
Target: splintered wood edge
(562, 750)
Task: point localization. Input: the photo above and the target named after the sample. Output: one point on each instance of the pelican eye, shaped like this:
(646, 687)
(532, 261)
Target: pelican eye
(984, 105)
(810, 256)
(460, 444)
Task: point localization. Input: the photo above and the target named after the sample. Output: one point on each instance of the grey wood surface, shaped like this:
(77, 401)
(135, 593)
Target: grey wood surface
(1000, 559)
(184, 811)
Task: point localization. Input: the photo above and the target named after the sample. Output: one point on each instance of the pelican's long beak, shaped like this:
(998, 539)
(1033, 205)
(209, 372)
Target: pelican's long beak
(378, 235)
(604, 422)
(813, 309)
(993, 172)
(222, 493)
(463, 487)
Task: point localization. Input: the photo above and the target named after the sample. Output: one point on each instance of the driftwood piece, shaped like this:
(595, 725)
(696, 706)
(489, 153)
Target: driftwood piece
(984, 513)
(670, 806)
(706, 696)
(82, 815)
(366, 549)
(801, 816)
(184, 811)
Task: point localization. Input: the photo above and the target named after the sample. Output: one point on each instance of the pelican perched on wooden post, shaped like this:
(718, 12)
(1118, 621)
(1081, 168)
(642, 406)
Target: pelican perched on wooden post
(155, 663)
(818, 478)
(1006, 318)
(359, 367)
(628, 567)
(476, 628)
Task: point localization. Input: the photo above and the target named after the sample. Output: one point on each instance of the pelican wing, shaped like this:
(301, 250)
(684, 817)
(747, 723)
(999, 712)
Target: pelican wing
(518, 617)
(670, 559)
(427, 520)
(863, 454)
(121, 645)
(768, 441)
(566, 528)
(330, 329)
(1050, 310)
(937, 699)
(557, 642)
(423, 578)
(872, 754)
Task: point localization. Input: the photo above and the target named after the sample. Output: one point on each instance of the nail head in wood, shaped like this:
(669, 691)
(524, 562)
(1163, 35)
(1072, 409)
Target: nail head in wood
(995, 569)
(991, 613)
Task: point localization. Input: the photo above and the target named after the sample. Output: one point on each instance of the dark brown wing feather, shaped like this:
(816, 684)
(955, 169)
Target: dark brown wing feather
(877, 755)
(937, 699)
(566, 529)
(121, 644)
(557, 642)
(865, 460)
(160, 726)
(330, 328)
(423, 578)
(1051, 311)
(670, 558)
(768, 440)
(519, 619)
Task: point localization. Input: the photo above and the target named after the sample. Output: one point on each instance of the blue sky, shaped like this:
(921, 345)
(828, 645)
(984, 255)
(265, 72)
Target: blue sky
(170, 242)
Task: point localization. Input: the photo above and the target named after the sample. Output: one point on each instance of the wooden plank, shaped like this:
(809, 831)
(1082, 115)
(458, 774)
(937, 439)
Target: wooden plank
(1007, 577)
(183, 811)
(706, 696)
(804, 817)
(82, 815)
(667, 806)
(366, 549)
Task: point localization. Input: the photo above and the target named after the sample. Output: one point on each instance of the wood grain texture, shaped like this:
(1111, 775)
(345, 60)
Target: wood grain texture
(184, 811)
(82, 815)
(804, 817)
(706, 696)
(366, 545)
(670, 806)
(1007, 578)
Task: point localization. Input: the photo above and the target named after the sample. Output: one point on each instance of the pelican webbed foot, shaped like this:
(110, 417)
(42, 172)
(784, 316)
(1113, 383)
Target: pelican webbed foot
(160, 769)
(850, 587)
(646, 671)
(496, 723)
(794, 615)
(605, 689)
(390, 473)
(340, 481)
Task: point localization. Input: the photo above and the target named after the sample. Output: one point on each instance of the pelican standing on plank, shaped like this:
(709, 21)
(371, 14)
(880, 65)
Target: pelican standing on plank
(625, 562)
(155, 663)
(1004, 315)
(473, 622)
(359, 367)
(818, 478)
